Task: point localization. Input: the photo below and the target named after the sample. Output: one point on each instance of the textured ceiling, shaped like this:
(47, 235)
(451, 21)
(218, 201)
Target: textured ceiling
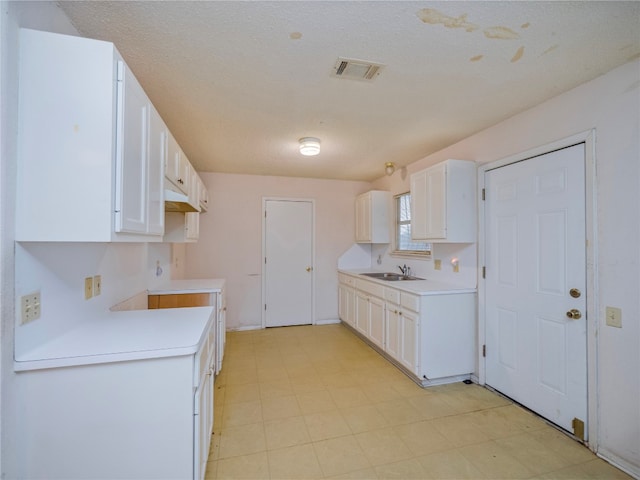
(238, 83)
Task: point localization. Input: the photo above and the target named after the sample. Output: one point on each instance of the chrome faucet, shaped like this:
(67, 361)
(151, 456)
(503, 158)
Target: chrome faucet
(406, 271)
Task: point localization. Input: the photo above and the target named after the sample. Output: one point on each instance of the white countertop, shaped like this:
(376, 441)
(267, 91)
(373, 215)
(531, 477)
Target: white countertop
(417, 287)
(117, 336)
(122, 336)
(204, 285)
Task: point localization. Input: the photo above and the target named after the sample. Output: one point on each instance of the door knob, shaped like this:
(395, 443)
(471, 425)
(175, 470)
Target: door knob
(309, 269)
(574, 314)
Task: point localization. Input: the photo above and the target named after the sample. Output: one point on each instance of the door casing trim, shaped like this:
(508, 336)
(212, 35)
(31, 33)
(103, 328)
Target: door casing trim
(264, 252)
(587, 137)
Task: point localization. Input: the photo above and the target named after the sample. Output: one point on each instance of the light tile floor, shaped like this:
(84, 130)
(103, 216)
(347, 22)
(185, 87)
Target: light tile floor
(317, 402)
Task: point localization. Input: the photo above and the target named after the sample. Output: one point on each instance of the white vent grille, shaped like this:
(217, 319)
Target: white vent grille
(357, 69)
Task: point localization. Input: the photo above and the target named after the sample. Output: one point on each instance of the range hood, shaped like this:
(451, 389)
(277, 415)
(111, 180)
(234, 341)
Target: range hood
(177, 202)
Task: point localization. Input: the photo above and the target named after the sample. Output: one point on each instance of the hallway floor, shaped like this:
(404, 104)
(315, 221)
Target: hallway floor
(317, 402)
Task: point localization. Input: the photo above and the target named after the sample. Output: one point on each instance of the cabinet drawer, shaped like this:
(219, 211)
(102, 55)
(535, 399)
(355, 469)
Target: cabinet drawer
(346, 279)
(391, 295)
(370, 288)
(412, 302)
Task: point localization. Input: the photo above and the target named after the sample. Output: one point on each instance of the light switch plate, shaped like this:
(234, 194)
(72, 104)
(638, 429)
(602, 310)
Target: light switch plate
(437, 264)
(97, 285)
(88, 288)
(614, 317)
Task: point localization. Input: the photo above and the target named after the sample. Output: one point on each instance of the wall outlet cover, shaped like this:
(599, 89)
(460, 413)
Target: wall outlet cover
(88, 288)
(614, 317)
(97, 285)
(30, 307)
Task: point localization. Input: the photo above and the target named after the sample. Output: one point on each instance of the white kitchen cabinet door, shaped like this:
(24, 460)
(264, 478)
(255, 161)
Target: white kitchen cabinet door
(443, 203)
(376, 321)
(155, 173)
(392, 341)
(83, 144)
(362, 314)
(409, 341)
(194, 187)
(131, 161)
(347, 304)
(177, 166)
(363, 219)
(192, 226)
(204, 196)
(343, 302)
(221, 333)
(182, 227)
(372, 217)
(203, 424)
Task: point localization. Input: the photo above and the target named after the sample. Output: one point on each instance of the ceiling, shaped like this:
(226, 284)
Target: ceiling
(238, 83)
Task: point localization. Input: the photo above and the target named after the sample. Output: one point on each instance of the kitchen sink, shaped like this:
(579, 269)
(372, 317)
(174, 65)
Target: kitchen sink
(391, 277)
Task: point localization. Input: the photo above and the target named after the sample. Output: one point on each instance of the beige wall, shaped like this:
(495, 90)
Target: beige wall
(230, 244)
(610, 105)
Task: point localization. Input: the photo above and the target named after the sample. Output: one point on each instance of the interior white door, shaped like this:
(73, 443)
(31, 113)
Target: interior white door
(535, 277)
(288, 279)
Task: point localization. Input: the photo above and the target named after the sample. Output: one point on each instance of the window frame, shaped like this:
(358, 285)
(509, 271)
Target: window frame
(396, 252)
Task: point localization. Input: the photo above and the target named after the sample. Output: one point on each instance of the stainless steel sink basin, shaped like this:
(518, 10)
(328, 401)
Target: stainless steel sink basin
(391, 277)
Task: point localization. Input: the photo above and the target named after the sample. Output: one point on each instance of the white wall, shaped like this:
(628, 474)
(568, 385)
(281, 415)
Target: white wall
(230, 244)
(609, 104)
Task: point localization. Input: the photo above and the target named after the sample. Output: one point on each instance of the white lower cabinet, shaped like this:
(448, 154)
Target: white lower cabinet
(409, 352)
(376, 321)
(347, 304)
(362, 313)
(430, 336)
(139, 419)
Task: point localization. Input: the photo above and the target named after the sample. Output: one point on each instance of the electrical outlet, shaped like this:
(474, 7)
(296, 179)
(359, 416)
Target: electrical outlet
(88, 288)
(614, 317)
(30, 307)
(437, 264)
(97, 285)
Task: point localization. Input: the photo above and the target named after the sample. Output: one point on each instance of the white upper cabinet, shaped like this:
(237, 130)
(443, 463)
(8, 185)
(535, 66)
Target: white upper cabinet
(372, 217)
(158, 134)
(443, 203)
(204, 196)
(177, 169)
(88, 165)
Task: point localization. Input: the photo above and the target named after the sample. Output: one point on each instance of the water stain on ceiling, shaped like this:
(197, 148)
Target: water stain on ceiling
(238, 83)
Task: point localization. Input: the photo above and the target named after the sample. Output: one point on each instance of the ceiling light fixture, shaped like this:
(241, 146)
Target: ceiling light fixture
(389, 168)
(309, 146)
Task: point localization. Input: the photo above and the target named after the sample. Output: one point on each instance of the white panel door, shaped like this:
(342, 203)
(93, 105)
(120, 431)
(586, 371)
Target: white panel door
(288, 280)
(535, 257)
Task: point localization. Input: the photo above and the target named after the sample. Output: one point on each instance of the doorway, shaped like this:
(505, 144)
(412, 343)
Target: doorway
(288, 254)
(535, 303)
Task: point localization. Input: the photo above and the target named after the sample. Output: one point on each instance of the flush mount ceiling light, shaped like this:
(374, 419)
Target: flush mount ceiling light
(389, 168)
(309, 146)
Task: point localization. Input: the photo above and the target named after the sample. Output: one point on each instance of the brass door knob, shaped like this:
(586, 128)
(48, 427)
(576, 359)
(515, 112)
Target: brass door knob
(574, 314)
(309, 269)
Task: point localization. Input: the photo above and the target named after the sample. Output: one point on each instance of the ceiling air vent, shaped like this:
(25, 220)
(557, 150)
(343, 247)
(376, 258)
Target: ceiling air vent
(356, 69)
